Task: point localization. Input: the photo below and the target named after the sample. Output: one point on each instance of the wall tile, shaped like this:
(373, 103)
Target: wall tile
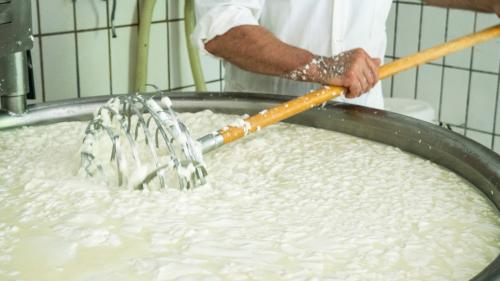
(386, 87)
(123, 58)
(160, 13)
(482, 138)
(126, 12)
(56, 15)
(458, 130)
(497, 123)
(221, 69)
(496, 145)
(37, 70)
(390, 30)
(158, 58)
(482, 101)
(486, 20)
(485, 58)
(461, 23)
(387, 83)
(214, 86)
(408, 30)
(433, 28)
(188, 89)
(59, 62)
(211, 67)
(93, 61)
(34, 17)
(91, 14)
(404, 84)
(180, 71)
(429, 85)
(454, 96)
(175, 9)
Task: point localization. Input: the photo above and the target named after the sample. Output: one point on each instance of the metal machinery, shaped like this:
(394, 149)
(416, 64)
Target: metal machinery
(16, 39)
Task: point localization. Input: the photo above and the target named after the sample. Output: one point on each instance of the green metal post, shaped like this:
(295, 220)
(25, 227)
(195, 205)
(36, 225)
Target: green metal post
(141, 71)
(194, 57)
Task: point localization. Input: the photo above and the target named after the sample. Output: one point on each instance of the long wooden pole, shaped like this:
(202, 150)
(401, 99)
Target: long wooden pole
(326, 93)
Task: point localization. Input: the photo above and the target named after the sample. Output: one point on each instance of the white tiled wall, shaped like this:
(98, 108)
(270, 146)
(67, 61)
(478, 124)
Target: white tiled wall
(465, 92)
(76, 56)
(179, 56)
(460, 23)
(59, 62)
(429, 84)
(158, 70)
(481, 111)
(93, 59)
(487, 56)
(122, 57)
(455, 88)
(90, 14)
(56, 16)
(126, 11)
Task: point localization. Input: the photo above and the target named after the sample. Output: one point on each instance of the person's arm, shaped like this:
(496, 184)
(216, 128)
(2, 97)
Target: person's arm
(255, 49)
(487, 6)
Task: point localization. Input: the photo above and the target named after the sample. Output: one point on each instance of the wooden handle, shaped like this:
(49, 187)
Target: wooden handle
(326, 93)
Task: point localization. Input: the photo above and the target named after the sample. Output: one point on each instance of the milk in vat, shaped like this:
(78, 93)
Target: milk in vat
(288, 203)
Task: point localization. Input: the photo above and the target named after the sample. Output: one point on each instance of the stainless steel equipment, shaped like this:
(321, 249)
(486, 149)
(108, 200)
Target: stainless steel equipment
(16, 39)
(129, 123)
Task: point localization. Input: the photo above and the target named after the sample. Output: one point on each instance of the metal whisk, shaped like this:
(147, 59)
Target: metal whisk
(137, 129)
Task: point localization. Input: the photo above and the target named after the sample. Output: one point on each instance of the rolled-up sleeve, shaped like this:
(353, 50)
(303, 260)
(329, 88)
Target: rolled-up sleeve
(216, 17)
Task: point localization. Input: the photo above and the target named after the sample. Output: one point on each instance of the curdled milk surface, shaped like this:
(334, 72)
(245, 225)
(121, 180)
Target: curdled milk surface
(287, 203)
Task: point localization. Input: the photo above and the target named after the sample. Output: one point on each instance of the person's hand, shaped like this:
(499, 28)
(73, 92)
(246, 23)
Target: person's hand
(353, 69)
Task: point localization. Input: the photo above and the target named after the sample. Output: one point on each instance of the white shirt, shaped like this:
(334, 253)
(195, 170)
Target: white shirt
(323, 27)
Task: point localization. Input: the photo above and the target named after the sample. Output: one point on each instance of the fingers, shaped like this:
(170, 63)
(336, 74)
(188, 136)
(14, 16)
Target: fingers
(377, 62)
(374, 65)
(367, 80)
(355, 90)
(363, 74)
(354, 70)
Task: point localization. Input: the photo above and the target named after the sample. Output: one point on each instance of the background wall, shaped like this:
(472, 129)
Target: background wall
(463, 88)
(76, 56)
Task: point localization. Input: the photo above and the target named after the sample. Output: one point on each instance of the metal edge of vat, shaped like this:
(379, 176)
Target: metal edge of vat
(471, 160)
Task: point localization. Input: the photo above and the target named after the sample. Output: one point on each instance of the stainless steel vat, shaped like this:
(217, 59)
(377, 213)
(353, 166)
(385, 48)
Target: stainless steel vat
(472, 161)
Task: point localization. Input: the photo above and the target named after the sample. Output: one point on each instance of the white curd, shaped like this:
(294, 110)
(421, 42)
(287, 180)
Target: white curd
(286, 203)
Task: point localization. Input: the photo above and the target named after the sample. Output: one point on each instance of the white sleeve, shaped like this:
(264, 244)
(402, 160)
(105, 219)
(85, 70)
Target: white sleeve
(216, 17)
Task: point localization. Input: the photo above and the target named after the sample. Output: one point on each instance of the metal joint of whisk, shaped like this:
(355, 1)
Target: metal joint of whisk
(136, 127)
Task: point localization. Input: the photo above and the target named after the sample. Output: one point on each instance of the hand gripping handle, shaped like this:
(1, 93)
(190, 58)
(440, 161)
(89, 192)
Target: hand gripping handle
(326, 93)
